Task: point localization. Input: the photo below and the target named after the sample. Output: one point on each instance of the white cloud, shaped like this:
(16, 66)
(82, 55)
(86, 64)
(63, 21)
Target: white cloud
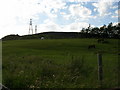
(82, 0)
(116, 12)
(116, 15)
(51, 7)
(79, 11)
(114, 7)
(71, 0)
(62, 13)
(115, 23)
(67, 16)
(49, 25)
(77, 26)
(102, 7)
(92, 0)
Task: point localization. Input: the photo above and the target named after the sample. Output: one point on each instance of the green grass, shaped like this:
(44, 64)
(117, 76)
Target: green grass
(46, 63)
(0, 61)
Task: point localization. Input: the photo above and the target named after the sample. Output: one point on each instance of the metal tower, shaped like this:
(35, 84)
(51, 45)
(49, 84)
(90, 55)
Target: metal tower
(35, 28)
(30, 27)
(89, 27)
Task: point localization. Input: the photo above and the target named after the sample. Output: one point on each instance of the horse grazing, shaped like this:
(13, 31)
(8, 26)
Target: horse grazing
(91, 46)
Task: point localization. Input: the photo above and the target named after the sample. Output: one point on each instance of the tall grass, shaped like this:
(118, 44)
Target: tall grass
(43, 73)
(58, 63)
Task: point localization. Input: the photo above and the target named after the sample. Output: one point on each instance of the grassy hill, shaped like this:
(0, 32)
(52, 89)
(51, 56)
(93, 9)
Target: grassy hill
(47, 35)
(57, 35)
(59, 63)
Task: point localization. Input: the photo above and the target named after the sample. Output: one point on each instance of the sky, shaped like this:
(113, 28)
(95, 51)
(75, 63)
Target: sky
(55, 15)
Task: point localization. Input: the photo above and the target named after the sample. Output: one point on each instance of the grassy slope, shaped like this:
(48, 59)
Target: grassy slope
(25, 55)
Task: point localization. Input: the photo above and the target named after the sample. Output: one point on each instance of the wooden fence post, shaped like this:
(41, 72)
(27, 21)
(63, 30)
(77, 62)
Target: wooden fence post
(100, 70)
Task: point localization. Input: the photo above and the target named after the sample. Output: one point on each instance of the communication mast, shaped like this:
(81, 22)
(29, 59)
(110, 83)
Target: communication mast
(89, 27)
(35, 28)
(30, 27)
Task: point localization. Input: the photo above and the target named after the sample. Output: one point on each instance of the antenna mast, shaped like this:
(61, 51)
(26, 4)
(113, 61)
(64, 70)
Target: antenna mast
(30, 27)
(35, 29)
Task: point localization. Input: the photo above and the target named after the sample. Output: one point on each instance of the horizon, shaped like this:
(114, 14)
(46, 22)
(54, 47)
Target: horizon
(54, 31)
(58, 15)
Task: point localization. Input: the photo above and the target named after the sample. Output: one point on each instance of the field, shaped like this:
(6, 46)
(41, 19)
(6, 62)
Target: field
(59, 63)
(0, 61)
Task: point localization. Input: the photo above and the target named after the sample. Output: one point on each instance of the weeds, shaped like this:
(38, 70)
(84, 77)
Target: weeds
(46, 74)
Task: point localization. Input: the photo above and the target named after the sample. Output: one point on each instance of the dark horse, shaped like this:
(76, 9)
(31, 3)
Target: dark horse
(91, 46)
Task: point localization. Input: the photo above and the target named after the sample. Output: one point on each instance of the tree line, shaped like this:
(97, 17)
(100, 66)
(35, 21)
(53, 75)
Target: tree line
(105, 31)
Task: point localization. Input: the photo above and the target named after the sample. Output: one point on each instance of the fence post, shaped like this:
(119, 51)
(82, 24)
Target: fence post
(100, 70)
